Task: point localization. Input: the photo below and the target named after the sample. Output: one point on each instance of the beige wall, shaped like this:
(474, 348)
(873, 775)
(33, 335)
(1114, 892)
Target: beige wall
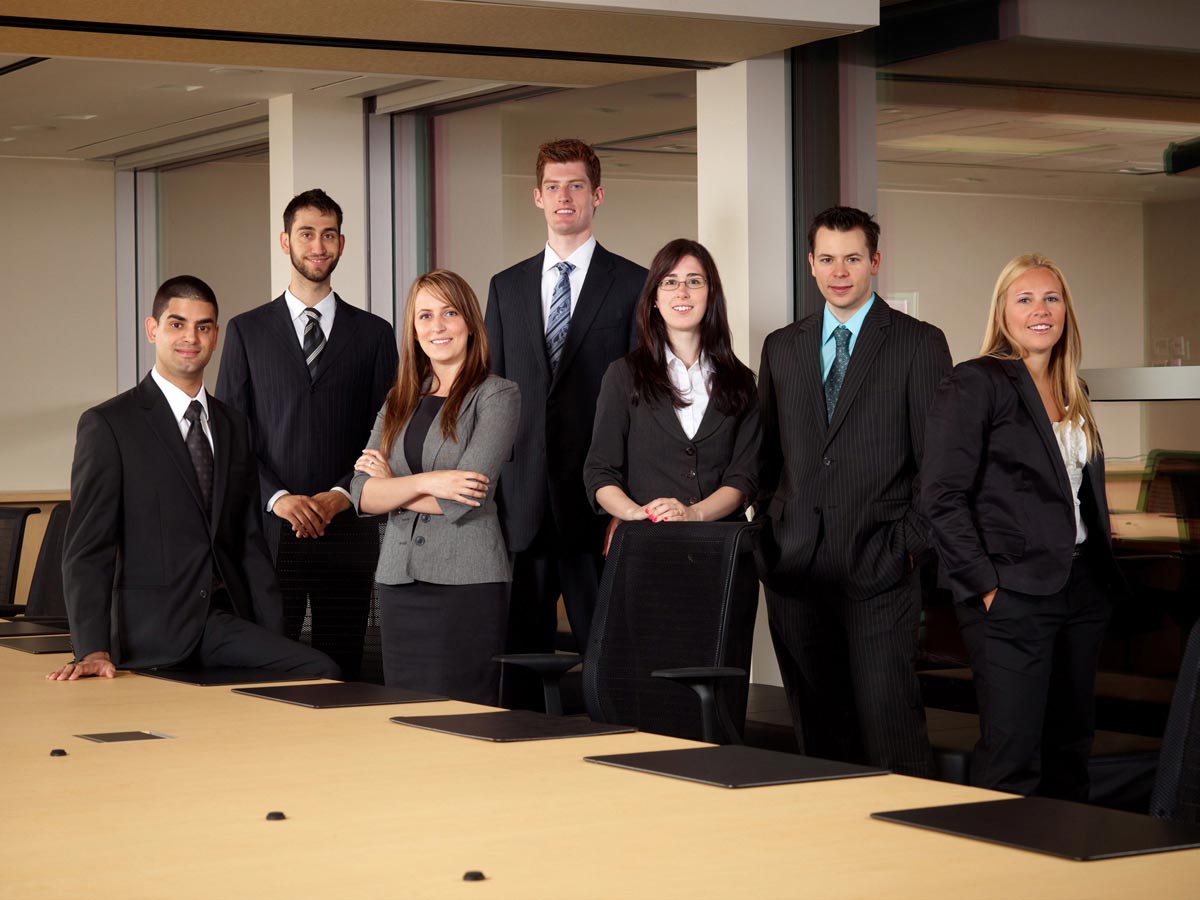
(1172, 312)
(215, 222)
(951, 247)
(58, 341)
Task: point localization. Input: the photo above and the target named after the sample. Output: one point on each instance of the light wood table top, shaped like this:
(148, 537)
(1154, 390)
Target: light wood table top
(380, 810)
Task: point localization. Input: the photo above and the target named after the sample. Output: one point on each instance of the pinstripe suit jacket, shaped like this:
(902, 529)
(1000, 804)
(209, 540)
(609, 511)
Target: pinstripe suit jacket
(555, 431)
(307, 431)
(849, 484)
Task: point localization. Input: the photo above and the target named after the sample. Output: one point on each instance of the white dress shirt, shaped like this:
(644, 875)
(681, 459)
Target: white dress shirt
(179, 401)
(327, 308)
(581, 259)
(1072, 444)
(692, 384)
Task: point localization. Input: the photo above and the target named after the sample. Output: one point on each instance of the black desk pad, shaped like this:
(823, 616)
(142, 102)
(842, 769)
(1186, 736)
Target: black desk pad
(339, 694)
(735, 766)
(222, 676)
(119, 737)
(1057, 827)
(16, 627)
(513, 725)
(58, 643)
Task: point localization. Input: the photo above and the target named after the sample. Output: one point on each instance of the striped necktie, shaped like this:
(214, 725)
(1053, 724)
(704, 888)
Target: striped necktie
(559, 317)
(201, 453)
(314, 340)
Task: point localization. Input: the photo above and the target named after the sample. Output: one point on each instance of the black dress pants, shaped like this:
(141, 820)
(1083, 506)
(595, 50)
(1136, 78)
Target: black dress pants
(541, 574)
(849, 669)
(230, 640)
(333, 575)
(1034, 661)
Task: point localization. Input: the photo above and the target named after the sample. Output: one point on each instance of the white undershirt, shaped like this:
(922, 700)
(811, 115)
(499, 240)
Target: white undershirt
(692, 384)
(1072, 444)
(581, 259)
(179, 401)
(327, 308)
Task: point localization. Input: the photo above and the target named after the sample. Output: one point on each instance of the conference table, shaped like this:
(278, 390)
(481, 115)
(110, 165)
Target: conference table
(376, 809)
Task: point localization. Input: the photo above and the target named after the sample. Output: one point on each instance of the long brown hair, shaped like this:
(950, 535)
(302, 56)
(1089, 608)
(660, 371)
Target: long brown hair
(732, 385)
(415, 377)
(1066, 354)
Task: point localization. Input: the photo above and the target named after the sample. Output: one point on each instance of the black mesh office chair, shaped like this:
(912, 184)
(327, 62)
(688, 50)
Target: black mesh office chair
(1176, 793)
(46, 598)
(677, 603)
(12, 536)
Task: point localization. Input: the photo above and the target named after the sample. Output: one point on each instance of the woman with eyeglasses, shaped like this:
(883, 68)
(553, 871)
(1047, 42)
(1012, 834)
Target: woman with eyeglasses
(431, 465)
(1013, 485)
(677, 431)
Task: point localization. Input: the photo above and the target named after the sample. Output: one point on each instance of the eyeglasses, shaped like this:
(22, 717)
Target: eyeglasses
(693, 282)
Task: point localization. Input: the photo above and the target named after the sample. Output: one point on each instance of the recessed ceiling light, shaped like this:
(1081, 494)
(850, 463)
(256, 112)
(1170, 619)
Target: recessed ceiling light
(78, 117)
(233, 72)
(970, 179)
(891, 110)
(607, 110)
(33, 128)
(1136, 169)
(5, 140)
(179, 88)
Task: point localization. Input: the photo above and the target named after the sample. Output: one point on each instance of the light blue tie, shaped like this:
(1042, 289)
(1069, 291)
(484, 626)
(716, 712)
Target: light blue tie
(560, 314)
(837, 372)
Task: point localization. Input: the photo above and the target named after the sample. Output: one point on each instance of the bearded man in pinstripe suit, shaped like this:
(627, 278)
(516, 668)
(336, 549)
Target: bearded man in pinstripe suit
(844, 394)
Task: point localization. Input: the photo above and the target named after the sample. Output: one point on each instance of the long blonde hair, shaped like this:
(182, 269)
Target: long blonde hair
(1066, 354)
(415, 371)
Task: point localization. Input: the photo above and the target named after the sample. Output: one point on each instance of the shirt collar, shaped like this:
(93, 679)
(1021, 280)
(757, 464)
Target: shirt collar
(854, 324)
(296, 307)
(671, 359)
(178, 399)
(580, 259)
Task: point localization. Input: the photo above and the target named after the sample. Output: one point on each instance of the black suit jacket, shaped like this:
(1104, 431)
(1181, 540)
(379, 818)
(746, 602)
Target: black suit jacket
(140, 552)
(995, 487)
(642, 449)
(850, 483)
(555, 429)
(307, 432)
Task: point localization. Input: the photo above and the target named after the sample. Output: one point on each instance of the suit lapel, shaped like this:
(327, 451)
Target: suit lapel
(591, 298)
(345, 324)
(435, 442)
(223, 443)
(870, 340)
(663, 413)
(1027, 391)
(284, 329)
(162, 423)
(529, 310)
(808, 356)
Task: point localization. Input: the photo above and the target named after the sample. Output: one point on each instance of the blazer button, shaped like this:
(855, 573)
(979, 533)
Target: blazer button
(693, 500)
(827, 461)
(690, 451)
(419, 540)
(691, 473)
(425, 517)
(203, 594)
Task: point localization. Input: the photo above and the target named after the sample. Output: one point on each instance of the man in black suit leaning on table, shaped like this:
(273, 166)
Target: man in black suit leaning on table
(164, 562)
(844, 395)
(310, 372)
(555, 322)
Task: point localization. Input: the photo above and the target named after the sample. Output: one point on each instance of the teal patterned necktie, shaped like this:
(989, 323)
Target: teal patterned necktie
(837, 372)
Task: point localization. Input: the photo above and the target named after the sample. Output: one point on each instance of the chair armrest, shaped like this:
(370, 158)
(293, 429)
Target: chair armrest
(551, 667)
(717, 724)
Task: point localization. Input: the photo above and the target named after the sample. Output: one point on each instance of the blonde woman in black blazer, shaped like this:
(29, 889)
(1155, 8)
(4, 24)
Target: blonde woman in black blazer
(1013, 485)
(677, 431)
(431, 464)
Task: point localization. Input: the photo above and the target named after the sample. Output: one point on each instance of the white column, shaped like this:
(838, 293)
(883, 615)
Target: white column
(744, 212)
(319, 142)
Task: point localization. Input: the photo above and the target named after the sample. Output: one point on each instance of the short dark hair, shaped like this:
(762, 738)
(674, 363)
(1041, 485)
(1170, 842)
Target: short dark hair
(183, 287)
(315, 199)
(569, 150)
(846, 218)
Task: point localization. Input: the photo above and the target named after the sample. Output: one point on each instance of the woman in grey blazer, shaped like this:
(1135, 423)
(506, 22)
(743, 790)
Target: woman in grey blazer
(431, 465)
(677, 431)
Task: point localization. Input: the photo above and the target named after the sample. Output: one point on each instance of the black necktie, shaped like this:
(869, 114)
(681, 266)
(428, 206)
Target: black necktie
(314, 340)
(200, 452)
(837, 372)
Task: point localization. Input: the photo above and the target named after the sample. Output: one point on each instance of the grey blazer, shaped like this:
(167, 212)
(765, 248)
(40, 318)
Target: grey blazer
(464, 544)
